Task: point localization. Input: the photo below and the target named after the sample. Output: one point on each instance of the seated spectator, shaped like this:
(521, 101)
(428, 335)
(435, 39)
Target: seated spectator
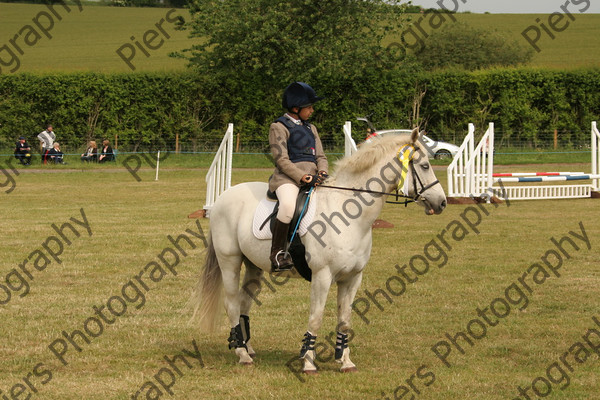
(107, 152)
(23, 151)
(56, 155)
(91, 154)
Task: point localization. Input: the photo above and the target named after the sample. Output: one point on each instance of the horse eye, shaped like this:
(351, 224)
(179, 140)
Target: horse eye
(425, 166)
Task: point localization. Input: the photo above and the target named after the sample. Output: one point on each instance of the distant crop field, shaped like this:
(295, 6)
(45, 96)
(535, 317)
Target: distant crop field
(88, 40)
(573, 48)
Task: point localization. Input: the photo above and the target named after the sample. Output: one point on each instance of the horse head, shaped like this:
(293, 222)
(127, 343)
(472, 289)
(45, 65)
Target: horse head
(393, 162)
(418, 179)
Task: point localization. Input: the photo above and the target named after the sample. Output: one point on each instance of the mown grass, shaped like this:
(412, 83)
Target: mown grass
(130, 222)
(88, 40)
(508, 156)
(503, 156)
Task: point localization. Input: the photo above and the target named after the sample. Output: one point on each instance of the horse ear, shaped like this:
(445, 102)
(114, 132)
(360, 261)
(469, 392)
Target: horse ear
(414, 136)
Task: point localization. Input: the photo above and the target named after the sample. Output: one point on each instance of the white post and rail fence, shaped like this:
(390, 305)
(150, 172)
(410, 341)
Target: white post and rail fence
(470, 175)
(218, 177)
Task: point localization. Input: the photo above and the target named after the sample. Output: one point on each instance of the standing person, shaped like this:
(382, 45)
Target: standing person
(91, 153)
(107, 152)
(23, 151)
(299, 160)
(46, 140)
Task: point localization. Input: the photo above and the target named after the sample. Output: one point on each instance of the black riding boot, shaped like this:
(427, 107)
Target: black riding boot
(280, 259)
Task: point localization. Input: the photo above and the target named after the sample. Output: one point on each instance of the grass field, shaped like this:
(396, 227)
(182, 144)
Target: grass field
(87, 40)
(129, 223)
(255, 159)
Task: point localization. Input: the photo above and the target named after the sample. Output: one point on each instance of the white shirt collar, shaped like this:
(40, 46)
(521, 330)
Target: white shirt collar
(294, 120)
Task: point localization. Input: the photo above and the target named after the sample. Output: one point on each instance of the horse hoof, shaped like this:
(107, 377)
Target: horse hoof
(311, 372)
(349, 369)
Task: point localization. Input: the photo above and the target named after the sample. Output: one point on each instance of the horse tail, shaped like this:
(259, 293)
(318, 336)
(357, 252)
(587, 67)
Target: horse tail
(206, 300)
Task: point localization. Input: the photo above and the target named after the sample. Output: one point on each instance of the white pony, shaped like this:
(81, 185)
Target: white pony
(339, 241)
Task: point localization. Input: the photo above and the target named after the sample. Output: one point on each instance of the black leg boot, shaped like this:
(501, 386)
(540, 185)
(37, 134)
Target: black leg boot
(280, 258)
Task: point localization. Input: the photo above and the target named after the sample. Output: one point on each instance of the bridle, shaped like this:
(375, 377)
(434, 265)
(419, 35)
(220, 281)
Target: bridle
(405, 155)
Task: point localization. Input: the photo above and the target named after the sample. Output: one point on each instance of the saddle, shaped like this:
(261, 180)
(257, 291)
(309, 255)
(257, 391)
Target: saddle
(267, 209)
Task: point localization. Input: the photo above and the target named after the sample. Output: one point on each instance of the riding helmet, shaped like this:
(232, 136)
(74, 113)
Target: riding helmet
(299, 94)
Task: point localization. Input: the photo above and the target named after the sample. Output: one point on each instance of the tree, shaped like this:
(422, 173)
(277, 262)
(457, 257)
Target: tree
(252, 49)
(463, 46)
(413, 9)
(284, 39)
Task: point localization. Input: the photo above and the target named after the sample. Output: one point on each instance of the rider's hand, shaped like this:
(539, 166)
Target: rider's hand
(307, 178)
(321, 176)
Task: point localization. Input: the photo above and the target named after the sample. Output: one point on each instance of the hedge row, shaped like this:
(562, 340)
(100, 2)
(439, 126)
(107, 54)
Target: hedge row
(148, 110)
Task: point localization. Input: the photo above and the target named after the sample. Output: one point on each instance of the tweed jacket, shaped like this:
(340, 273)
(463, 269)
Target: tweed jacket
(287, 171)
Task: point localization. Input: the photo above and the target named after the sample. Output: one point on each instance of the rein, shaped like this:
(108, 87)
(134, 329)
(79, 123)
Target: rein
(395, 193)
(405, 155)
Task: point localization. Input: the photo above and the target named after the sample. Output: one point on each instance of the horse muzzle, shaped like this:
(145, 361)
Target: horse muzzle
(434, 209)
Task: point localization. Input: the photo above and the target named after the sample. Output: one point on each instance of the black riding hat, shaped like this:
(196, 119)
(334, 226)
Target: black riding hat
(299, 94)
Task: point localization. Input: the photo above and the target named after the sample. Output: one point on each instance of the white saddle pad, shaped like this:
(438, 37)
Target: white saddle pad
(266, 207)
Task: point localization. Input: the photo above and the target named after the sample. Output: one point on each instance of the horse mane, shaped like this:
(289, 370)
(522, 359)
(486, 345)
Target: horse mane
(369, 154)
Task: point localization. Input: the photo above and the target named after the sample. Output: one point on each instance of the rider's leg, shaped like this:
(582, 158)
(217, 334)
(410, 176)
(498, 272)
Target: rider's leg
(280, 258)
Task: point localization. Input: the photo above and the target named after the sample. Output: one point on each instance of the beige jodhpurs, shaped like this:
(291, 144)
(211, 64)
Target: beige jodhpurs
(287, 195)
